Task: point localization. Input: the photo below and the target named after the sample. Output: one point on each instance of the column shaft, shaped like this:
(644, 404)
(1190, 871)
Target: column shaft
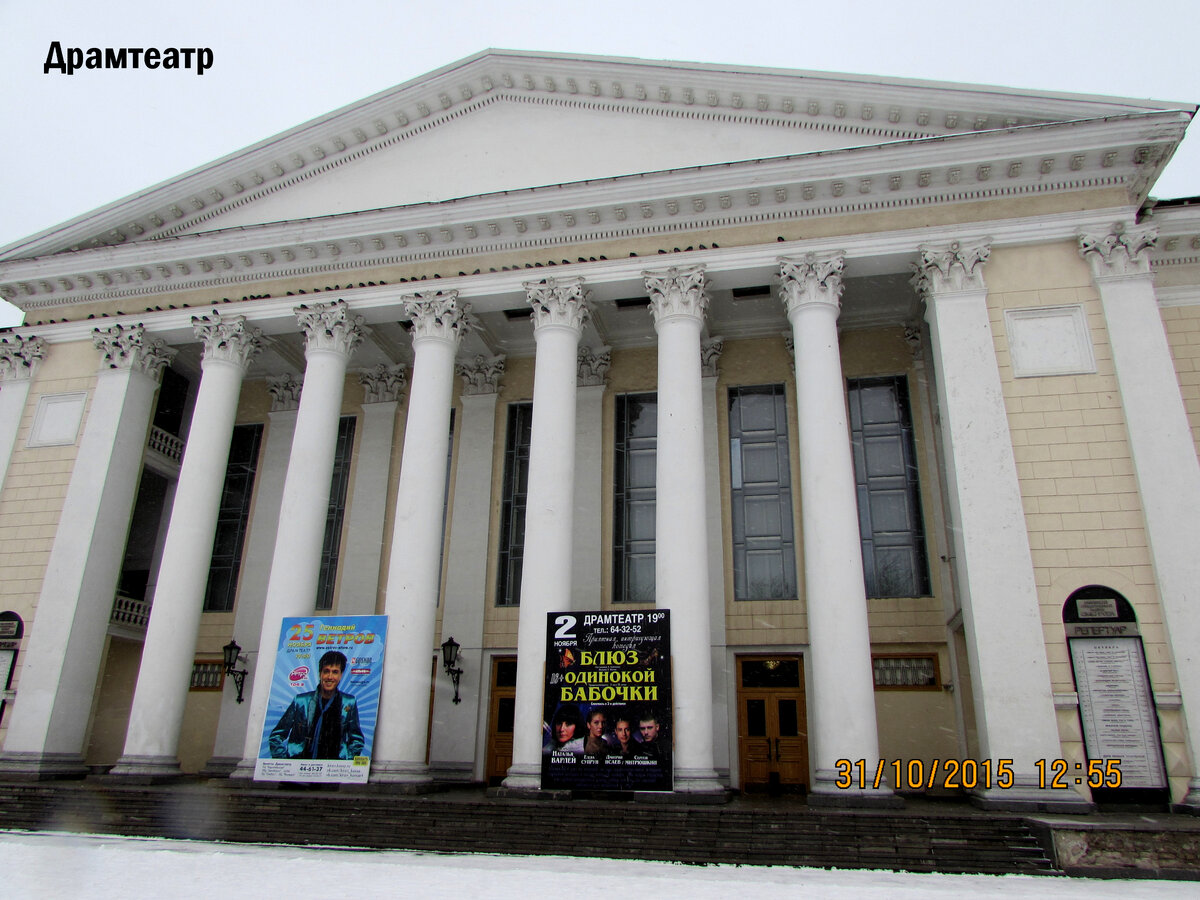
(415, 565)
(559, 313)
(156, 717)
(332, 334)
(678, 302)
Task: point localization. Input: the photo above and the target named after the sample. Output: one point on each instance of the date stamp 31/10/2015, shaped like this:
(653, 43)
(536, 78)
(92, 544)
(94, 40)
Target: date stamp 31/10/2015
(972, 774)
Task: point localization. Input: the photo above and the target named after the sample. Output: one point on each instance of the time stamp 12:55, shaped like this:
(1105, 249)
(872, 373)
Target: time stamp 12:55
(972, 774)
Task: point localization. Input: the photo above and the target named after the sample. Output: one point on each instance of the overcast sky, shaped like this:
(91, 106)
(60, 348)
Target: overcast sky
(73, 143)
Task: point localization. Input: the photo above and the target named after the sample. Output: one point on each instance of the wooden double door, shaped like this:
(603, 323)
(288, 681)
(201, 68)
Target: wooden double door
(772, 723)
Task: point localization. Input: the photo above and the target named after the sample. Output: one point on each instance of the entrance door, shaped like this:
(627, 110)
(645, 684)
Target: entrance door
(501, 709)
(772, 723)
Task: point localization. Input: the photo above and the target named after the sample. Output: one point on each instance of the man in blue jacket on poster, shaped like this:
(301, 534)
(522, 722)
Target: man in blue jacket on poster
(320, 724)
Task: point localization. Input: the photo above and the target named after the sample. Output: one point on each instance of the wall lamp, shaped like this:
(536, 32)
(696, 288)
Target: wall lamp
(231, 660)
(449, 658)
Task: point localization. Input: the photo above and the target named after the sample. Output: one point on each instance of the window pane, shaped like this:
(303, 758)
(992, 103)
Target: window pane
(889, 503)
(789, 721)
(635, 462)
(764, 556)
(756, 718)
(337, 508)
(233, 518)
(512, 503)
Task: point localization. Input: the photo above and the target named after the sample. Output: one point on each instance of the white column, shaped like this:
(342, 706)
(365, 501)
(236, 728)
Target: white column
(1002, 622)
(842, 690)
(678, 302)
(586, 571)
(1164, 454)
(710, 352)
(256, 567)
(62, 661)
(438, 325)
(156, 717)
(19, 359)
(559, 313)
(456, 725)
(359, 592)
(331, 332)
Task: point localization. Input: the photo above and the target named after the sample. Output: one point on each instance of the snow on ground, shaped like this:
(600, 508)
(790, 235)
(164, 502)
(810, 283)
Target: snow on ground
(49, 866)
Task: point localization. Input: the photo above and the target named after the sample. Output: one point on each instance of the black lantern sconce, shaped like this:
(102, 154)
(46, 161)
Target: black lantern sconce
(231, 660)
(449, 658)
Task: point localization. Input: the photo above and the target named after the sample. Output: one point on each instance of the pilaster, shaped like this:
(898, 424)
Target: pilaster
(20, 357)
(1010, 678)
(1164, 455)
(49, 722)
(586, 569)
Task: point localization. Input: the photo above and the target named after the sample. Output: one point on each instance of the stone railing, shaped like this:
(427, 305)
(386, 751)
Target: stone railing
(166, 444)
(129, 614)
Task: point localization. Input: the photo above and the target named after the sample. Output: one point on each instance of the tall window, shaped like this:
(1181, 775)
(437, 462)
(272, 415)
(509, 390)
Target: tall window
(337, 511)
(515, 492)
(764, 555)
(889, 502)
(232, 519)
(634, 497)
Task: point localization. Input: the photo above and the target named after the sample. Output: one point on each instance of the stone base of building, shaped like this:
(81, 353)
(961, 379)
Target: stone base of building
(220, 766)
(1031, 800)
(1190, 804)
(16, 766)
(135, 769)
(854, 798)
(401, 778)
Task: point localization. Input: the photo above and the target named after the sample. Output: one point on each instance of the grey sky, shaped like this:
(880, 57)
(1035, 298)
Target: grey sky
(73, 143)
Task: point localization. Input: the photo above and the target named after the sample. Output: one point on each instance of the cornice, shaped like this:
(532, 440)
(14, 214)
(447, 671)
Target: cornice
(1126, 152)
(877, 109)
(1178, 236)
(610, 279)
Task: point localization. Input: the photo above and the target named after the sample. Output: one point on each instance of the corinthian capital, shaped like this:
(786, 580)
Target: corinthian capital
(285, 392)
(481, 375)
(1123, 251)
(558, 301)
(676, 292)
(228, 338)
(383, 384)
(439, 315)
(129, 347)
(950, 267)
(20, 356)
(815, 279)
(330, 326)
(594, 366)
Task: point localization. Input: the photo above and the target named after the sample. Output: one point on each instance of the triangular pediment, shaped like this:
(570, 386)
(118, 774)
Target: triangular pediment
(509, 145)
(504, 121)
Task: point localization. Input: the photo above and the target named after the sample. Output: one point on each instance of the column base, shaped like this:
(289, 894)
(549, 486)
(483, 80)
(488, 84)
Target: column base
(698, 786)
(402, 777)
(825, 793)
(1031, 799)
(17, 766)
(138, 769)
(452, 772)
(220, 766)
(1190, 804)
(243, 772)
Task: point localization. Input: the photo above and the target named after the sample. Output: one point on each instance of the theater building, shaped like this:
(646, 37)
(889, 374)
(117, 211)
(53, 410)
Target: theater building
(888, 390)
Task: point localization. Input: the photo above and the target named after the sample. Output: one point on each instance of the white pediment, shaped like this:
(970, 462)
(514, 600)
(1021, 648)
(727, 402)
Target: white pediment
(510, 145)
